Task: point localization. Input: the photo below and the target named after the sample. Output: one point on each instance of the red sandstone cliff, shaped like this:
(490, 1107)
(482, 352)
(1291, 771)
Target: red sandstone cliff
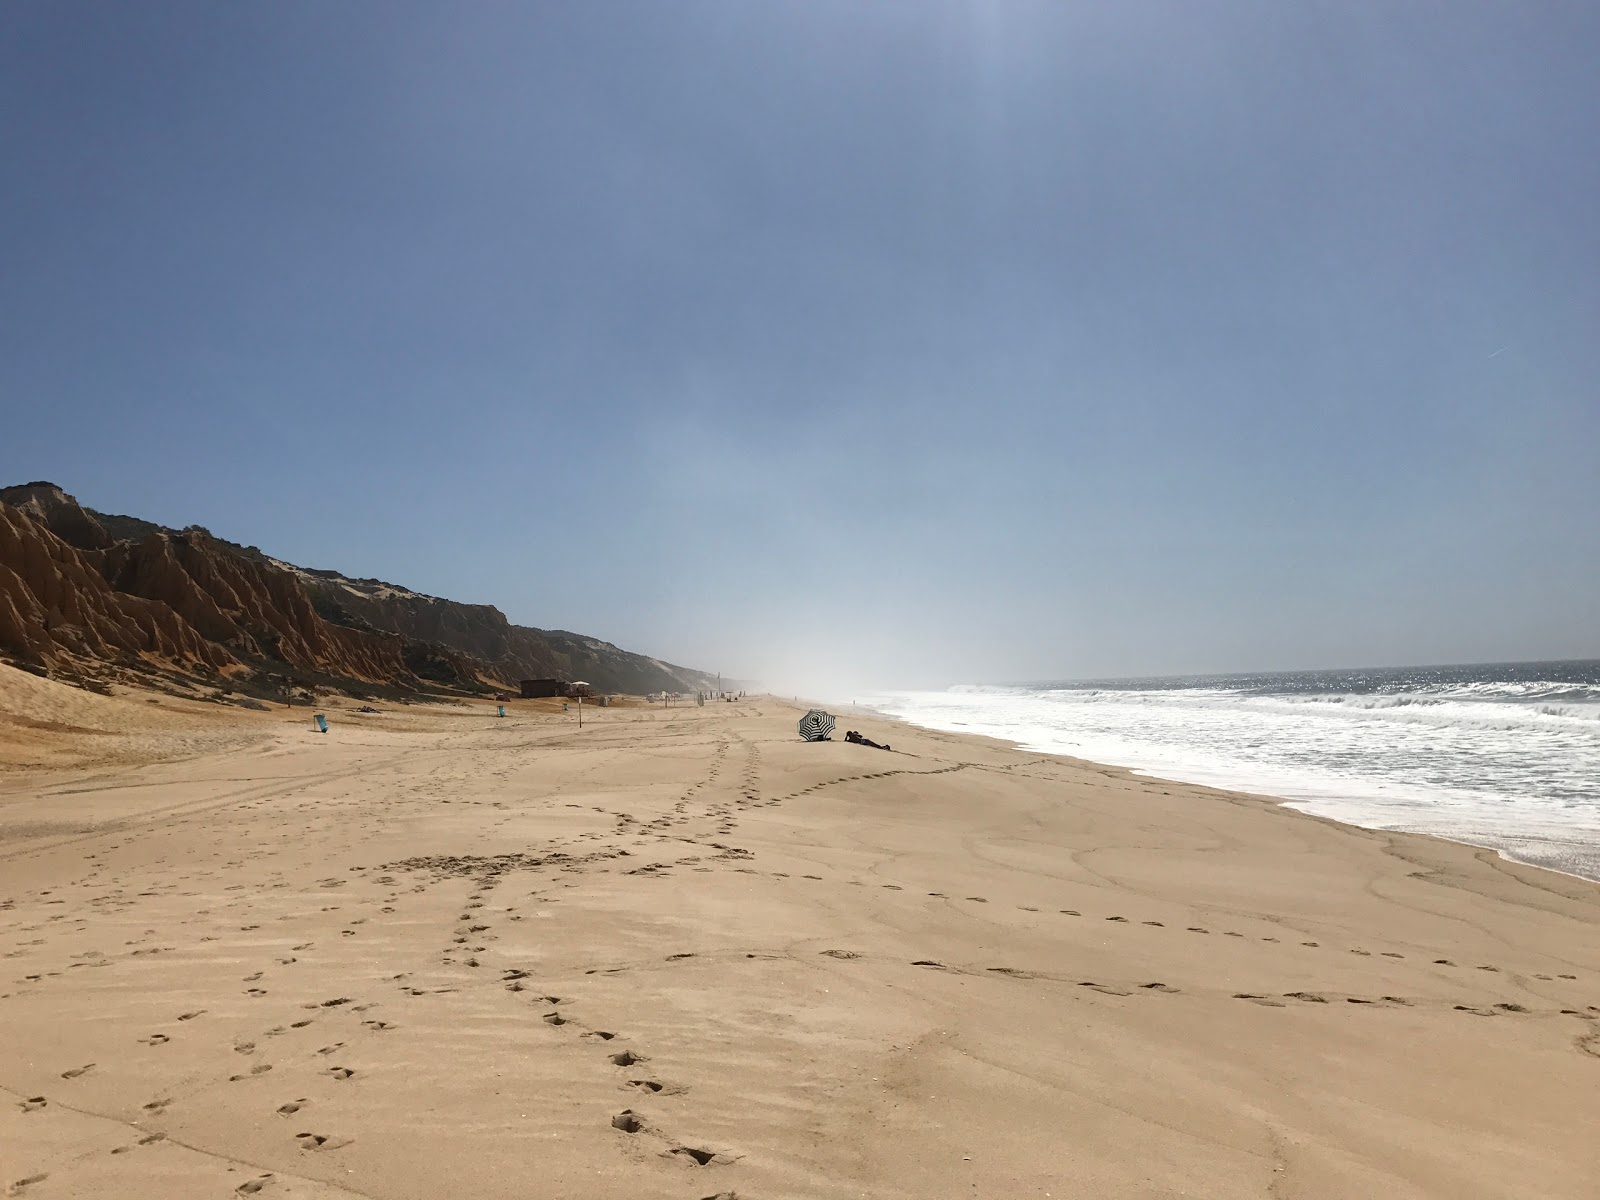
(70, 594)
(55, 606)
(78, 587)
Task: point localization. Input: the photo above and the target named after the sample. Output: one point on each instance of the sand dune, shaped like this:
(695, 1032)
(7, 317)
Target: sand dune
(680, 954)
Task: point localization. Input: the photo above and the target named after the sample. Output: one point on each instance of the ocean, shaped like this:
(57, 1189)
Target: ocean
(1505, 755)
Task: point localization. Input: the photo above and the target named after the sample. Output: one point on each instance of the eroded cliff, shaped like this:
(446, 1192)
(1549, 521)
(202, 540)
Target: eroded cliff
(79, 587)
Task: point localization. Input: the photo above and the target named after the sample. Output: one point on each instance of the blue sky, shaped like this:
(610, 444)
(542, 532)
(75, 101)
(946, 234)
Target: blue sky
(837, 344)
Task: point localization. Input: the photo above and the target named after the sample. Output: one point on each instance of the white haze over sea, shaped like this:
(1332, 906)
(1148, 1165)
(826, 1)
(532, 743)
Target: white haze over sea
(1505, 756)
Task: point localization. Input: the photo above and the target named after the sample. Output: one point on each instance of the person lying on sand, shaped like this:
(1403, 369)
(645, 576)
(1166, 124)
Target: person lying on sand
(852, 736)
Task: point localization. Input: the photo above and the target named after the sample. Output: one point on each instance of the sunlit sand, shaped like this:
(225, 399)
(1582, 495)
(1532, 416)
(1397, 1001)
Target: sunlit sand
(680, 953)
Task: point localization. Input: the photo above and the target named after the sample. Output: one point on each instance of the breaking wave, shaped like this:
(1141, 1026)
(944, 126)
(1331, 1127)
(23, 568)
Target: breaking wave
(1505, 756)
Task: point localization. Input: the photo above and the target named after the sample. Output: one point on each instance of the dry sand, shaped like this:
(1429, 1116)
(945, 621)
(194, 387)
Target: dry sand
(680, 954)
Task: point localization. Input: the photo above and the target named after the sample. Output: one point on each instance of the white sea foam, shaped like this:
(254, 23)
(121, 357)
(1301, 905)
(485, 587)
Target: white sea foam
(1510, 764)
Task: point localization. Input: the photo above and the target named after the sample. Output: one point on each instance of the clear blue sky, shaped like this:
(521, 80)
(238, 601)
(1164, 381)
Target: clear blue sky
(837, 343)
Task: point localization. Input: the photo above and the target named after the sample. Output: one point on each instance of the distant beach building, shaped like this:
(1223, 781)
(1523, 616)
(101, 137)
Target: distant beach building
(533, 689)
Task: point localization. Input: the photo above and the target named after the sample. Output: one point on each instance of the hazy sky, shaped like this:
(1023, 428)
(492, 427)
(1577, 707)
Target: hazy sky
(838, 343)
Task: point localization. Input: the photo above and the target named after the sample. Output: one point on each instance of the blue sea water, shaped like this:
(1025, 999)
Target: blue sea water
(1503, 755)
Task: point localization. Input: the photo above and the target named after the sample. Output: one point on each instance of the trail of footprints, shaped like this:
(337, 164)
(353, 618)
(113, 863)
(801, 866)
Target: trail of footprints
(622, 1060)
(565, 855)
(1588, 1042)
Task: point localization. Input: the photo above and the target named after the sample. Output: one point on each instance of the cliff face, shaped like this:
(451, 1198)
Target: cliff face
(482, 631)
(77, 587)
(56, 606)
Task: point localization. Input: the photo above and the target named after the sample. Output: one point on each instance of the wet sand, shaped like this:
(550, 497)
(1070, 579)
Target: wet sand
(681, 954)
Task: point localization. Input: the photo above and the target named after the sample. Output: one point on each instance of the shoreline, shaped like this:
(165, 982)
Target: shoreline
(682, 953)
(1300, 805)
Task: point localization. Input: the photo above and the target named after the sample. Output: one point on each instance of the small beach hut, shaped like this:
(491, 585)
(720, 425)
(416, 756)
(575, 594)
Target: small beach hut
(534, 689)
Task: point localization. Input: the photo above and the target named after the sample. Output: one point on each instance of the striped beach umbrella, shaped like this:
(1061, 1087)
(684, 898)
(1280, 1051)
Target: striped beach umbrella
(816, 725)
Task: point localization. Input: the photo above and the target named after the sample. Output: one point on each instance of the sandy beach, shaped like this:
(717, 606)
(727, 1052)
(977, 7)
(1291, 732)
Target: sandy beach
(678, 953)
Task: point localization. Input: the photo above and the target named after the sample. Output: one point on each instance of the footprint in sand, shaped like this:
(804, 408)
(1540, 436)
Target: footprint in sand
(77, 1071)
(694, 1153)
(320, 1141)
(251, 1186)
(33, 1104)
